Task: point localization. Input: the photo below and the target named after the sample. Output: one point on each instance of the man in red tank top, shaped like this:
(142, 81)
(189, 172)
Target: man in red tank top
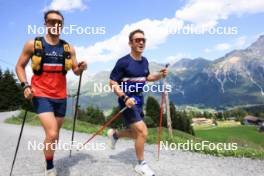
(48, 84)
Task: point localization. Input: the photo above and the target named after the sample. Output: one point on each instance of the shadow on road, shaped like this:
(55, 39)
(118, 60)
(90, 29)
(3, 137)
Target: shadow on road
(127, 156)
(64, 164)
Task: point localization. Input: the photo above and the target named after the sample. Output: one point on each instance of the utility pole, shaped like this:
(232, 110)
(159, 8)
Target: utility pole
(167, 105)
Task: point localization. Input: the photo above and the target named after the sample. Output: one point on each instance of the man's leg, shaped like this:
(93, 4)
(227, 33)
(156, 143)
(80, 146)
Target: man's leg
(126, 133)
(137, 131)
(140, 132)
(51, 129)
(114, 135)
(60, 121)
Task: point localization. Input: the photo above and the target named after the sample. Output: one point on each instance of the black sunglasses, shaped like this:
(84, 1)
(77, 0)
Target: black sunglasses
(138, 40)
(54, 21)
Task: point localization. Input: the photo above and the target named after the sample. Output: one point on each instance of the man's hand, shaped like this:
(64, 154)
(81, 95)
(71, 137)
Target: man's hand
(28, 93)
(157, 76)
(130, 102)
(164, 72)
(82, 65)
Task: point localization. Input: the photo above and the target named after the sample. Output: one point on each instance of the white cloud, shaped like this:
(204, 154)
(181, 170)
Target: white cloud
(207, 50)
(240, 42)
(173, 59)
(201, 12)
(208, 13)
(66, 5)
(222, 46)
(156, 32)
(237, 44)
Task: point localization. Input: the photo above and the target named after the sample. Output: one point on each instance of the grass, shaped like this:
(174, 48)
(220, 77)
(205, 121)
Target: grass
(250, 142)
(244, 136)
(33, 120)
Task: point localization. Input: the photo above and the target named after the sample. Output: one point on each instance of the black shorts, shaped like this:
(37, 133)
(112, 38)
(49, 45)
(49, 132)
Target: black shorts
(57, 106)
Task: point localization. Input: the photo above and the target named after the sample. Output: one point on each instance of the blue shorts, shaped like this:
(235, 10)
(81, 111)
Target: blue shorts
(134, 114)
(43, 104)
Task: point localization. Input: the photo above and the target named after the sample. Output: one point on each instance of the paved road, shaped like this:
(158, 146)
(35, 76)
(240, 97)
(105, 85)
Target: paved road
(106, 162)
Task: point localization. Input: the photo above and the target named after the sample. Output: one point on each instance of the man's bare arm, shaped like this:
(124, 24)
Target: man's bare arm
(130, 102)
(155, 77)
(115, 86)
(77, 69)
(24, 59)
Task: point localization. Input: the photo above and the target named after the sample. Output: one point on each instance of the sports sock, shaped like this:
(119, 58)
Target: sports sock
(115, 136)
(49, 161)
(141, 161)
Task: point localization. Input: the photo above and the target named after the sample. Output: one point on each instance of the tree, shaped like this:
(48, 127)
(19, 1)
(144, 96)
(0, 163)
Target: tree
(92, 115)
(118, 123)
(182, 121)
(11, 97)
(153, 110)
(1, 73)
(173, 115)
(220, 116)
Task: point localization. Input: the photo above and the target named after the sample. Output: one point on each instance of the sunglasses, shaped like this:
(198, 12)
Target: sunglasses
(138, 40)
(54, 21)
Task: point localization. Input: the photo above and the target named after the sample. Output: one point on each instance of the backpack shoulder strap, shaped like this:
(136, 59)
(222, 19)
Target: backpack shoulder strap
(38, 55)
(38, 43)
(66, 46)
(67, 63)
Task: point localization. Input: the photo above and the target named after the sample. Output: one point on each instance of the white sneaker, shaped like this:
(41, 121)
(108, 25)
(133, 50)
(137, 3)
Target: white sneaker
(112, 140)
(144, 170)
(51, 172)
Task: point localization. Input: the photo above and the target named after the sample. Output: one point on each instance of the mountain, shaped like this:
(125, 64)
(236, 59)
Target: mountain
(195, 64)
(237, 78)
(234, 79)
(186, 68)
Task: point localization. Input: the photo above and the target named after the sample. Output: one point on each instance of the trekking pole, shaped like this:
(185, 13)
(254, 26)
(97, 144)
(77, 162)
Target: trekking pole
(106, 124)
(75, 113)
(161, 117)
(18, 142)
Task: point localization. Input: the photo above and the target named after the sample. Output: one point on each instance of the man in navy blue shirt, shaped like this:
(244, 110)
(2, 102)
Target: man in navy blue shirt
(128, 79)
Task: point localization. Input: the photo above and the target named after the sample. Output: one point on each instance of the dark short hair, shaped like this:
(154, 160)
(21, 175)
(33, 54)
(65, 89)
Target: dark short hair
(52, 11)
(134, 32)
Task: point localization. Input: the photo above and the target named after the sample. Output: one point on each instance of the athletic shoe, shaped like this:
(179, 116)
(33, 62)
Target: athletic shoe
(51, 172)
(112, 140)
(144, 170)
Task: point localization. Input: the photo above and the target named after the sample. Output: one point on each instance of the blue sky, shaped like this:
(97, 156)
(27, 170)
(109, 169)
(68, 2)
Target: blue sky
(118, 17)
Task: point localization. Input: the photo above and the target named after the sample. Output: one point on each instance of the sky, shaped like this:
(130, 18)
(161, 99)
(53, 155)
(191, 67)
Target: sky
(227, 25)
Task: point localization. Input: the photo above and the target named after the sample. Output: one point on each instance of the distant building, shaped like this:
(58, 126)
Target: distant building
(261, 128)
(252, 120)
(231, 118)
(201, 120)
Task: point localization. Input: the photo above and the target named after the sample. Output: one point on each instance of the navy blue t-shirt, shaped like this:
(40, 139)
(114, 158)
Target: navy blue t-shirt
(131, 74)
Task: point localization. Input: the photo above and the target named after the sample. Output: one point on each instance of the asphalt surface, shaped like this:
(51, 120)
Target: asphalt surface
(99, 160)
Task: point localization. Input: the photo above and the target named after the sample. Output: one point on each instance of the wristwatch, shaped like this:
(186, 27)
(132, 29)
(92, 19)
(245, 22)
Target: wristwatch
(24, 85)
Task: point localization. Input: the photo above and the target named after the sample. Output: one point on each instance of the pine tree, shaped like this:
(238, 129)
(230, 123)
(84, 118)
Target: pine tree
(92, 115)
(153, 110)
(1, 90)
(11, 97)
(118, 123)
(1, 73)
(182, 120)
(173, 115)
